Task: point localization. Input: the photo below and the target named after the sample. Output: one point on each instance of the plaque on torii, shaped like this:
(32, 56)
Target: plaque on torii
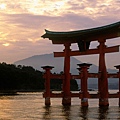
(83, 38)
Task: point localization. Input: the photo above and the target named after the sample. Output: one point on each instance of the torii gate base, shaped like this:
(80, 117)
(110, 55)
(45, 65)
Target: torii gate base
(83, 94)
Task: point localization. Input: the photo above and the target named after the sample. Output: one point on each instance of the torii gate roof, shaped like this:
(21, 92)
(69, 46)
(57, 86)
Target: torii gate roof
(93, 34)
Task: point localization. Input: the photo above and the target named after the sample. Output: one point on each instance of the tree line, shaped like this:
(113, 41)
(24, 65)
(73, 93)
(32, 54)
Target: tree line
(26, 78)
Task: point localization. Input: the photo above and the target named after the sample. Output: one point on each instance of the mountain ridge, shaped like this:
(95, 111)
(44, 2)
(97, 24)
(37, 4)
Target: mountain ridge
(37, 61)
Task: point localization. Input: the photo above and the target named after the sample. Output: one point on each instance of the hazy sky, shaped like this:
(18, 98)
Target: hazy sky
(22, 22)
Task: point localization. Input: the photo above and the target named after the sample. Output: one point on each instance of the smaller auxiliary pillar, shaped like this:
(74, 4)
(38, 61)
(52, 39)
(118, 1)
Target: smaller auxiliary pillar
(84, 87)
(47, 84)
(118, 67)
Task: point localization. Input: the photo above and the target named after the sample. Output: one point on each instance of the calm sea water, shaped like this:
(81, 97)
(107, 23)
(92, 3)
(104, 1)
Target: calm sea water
(30, 106)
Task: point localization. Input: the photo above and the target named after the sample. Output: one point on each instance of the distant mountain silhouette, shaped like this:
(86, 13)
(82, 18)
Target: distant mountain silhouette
(48, 59)
(37, 61)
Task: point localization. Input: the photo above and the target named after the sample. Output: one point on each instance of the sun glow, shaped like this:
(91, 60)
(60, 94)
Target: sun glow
(6, 44)
(46, 7)
(59, 4)
(2, 6)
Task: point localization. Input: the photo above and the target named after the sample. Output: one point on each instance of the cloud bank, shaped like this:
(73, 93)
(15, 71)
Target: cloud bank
(23, 22)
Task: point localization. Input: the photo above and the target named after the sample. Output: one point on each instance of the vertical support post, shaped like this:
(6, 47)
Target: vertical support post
(118, 67)
(47, 84)
(102, 80)
(66, 82)
(84, 87)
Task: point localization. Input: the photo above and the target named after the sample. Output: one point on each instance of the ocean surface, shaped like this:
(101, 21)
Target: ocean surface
(30, 106)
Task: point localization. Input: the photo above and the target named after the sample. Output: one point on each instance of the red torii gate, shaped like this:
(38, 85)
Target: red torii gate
(83, 38)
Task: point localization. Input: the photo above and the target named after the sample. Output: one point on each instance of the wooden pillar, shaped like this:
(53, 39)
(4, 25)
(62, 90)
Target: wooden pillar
(66, 82)
(84, 87)
(47, 84)
(102, 80)
(118, 67)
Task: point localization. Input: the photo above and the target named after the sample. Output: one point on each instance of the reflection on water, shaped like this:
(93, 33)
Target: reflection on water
(66, 111)
(47, 112)
(81, 113)
(103, 112)
(30, 106)
(84, 112)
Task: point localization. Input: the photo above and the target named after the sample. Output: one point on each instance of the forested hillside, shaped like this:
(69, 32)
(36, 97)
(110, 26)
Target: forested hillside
(26, 78)
(20, 77)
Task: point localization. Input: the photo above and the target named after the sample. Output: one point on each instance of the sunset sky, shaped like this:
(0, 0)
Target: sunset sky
(22, 22)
